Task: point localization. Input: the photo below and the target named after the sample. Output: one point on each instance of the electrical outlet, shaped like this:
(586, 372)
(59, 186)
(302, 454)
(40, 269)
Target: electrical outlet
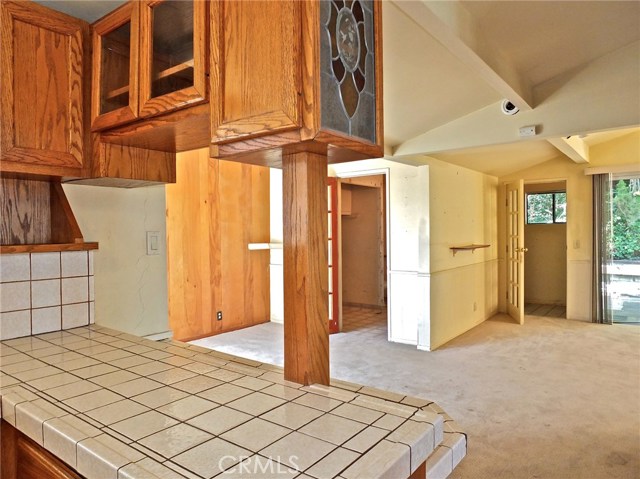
(219, 315)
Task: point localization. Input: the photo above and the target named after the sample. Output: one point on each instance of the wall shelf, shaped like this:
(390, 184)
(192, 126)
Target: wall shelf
(468, 247)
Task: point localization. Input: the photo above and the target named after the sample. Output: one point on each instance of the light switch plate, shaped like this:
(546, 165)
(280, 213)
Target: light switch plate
(153, 243)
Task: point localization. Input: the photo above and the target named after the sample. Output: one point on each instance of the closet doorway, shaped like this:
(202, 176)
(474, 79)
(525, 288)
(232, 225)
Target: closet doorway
(363, 224)
(545, 239)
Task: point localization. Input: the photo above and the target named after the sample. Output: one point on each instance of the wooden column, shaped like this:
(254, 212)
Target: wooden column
(306, 321)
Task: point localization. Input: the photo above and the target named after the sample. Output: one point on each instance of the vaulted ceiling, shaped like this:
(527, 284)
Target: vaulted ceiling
(572, 67)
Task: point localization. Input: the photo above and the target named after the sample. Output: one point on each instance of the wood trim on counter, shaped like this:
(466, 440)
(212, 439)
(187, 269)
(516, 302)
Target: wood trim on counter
(46, 248)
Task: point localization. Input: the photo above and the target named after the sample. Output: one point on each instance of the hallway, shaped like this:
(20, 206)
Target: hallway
(552, 398)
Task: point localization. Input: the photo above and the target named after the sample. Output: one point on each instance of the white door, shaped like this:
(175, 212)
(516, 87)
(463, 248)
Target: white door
(515, 250)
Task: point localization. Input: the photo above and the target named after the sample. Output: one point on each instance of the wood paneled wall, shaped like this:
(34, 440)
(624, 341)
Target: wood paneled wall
(214, 210)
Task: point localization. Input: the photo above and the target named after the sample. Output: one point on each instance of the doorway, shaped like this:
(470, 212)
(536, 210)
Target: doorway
(363, 224)
(545, 239)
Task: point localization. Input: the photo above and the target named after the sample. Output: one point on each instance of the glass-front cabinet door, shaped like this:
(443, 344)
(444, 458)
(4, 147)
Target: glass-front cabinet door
(115, 68)
(172, 55)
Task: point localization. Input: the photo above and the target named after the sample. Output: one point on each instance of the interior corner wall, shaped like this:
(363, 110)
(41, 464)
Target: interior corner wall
(464, 286)
(130, 286)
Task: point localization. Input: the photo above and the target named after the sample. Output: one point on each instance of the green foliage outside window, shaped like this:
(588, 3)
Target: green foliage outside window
(546, 208)
(626, 220)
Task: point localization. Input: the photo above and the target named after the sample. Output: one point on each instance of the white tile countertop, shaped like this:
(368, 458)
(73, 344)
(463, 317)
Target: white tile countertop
(116, 406)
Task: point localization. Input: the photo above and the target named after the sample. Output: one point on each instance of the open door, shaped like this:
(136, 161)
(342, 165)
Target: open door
(515, 250)
(332, 256)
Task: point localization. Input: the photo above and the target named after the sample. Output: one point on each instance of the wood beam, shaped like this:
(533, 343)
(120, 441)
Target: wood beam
(454, 27)
(306, 317)
(573, 146)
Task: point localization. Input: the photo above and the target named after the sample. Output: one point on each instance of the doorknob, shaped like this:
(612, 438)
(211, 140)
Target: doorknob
(522, 250)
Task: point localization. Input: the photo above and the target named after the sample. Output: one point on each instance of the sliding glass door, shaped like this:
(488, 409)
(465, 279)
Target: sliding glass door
(617, 221)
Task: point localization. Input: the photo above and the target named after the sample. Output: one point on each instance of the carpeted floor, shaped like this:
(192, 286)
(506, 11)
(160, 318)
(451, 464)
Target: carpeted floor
(552, 398)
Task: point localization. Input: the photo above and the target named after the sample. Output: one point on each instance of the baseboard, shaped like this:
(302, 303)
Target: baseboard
(159, 336)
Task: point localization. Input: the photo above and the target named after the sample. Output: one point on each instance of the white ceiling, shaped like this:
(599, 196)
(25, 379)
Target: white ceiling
(448, 65)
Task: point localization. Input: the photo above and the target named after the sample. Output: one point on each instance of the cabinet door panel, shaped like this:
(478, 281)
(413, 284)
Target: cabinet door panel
(172, 52)
(42, 86)
(115, 68)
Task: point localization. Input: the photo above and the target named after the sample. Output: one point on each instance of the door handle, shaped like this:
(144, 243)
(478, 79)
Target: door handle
(522, 250)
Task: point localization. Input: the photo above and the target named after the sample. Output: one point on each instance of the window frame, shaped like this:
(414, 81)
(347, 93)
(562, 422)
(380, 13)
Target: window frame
(553, 194)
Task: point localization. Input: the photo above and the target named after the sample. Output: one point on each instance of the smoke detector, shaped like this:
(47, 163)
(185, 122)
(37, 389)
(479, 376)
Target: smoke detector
(509, 108)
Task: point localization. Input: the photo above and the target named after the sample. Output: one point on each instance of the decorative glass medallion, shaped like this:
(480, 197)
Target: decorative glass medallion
(348, 39)
(347, 67)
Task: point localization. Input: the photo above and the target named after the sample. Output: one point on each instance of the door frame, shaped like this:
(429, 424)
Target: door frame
(515, 248)
(357, 174)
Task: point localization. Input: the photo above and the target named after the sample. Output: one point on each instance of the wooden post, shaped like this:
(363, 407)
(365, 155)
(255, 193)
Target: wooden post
(306, 317)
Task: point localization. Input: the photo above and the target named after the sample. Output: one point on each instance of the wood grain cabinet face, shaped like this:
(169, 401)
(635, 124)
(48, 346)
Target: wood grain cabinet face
(172, 54)
(24, 459)
(115, 68)
(296, 76)
(43, 85)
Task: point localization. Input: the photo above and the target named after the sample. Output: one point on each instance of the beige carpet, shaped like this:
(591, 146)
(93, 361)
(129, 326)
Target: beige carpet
(553, 398)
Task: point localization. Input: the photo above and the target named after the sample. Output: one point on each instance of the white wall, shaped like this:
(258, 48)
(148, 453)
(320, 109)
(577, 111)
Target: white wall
(276, 271)
(407, 245)
(130, 287)
(464, 286)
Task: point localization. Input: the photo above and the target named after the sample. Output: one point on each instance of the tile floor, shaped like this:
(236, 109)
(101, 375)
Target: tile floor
(545, 310)
(364, 320)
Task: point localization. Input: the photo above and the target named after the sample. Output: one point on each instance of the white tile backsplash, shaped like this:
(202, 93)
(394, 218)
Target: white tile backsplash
(43, 292)
(75, 263)
(45, 266)
(15, 296)
(75, 290)
(45, 320)
(75, 315)
(15, 324)
(14, 267)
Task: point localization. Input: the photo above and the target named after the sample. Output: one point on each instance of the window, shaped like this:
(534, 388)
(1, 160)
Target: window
(547, 208)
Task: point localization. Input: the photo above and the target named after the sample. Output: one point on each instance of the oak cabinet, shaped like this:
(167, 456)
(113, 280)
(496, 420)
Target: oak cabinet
(44, 85)
(149, 60)
(24, 459)
(310, 81)
(115, 68)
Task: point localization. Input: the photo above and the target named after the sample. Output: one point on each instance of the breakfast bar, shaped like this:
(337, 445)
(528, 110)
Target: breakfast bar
(112, 405)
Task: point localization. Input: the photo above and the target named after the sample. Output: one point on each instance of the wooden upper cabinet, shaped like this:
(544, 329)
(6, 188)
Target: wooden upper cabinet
(296, 76)
(172, 55)
(44, 81)
(114, 97)
(149, 59)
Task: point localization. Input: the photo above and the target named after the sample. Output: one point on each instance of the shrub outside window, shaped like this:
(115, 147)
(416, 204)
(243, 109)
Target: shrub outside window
(547, 208)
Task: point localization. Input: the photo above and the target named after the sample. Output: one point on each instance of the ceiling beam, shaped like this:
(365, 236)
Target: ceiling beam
(453, 26)
(572, 146)
(602, 95)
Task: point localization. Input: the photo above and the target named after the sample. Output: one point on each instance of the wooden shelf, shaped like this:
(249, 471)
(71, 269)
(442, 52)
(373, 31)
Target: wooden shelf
(117, 92)
(468, 247)
(173, 70)
(46, 248)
